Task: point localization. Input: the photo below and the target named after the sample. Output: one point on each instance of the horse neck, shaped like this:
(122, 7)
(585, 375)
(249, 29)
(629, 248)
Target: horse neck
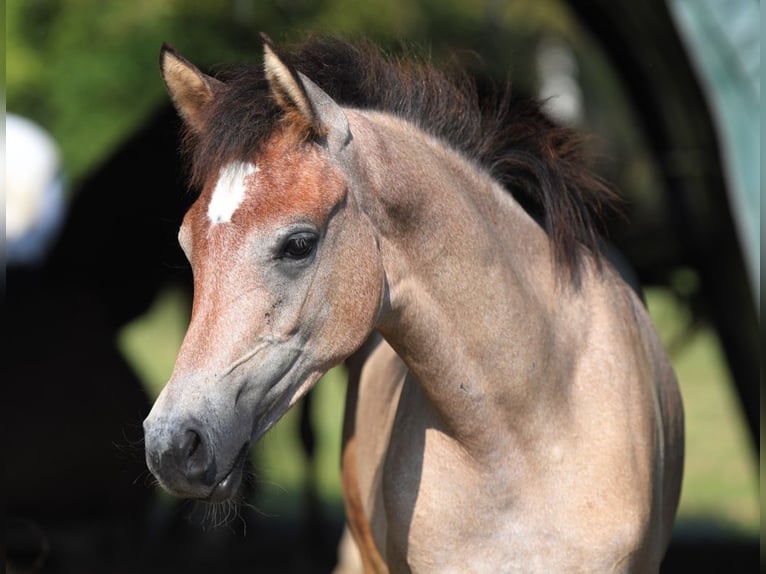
(471, 284)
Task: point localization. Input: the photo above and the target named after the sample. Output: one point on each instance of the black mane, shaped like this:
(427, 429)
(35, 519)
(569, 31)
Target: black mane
(540, 163)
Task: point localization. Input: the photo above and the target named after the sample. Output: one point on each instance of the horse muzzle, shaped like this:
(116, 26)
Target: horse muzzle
(183, 459)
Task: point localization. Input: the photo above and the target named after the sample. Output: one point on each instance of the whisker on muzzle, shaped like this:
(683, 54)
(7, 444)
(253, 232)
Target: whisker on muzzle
(226, 513)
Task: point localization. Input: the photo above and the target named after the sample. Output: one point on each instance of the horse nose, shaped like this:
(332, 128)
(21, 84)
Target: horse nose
(181, 457)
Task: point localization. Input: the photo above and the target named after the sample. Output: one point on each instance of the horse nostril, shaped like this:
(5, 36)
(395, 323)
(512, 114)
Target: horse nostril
(194, 458)
(190, 443)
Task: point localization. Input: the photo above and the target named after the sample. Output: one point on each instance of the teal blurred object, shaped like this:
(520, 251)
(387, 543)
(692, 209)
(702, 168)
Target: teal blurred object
(723, 39)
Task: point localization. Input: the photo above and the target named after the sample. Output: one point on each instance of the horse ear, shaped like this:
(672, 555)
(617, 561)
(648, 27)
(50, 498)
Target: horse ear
(303, 101)
(190, 89)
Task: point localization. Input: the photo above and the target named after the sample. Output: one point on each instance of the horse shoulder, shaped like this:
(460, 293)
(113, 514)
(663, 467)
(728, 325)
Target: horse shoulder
(630, 419)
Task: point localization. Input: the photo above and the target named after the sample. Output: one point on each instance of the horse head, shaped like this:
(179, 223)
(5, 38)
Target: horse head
(286, 281)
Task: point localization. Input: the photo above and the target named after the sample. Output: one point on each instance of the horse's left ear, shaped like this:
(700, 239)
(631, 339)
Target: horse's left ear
(190, 89)
(303, 102)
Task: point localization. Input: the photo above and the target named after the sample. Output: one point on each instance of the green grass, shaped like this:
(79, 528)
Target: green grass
(720, 490)
(150, 343)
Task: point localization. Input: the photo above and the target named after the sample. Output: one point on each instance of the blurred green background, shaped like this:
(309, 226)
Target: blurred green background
(87, 70)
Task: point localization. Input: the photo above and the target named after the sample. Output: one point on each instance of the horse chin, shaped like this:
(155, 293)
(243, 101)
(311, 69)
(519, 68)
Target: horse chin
(228, 486)
(282, 403)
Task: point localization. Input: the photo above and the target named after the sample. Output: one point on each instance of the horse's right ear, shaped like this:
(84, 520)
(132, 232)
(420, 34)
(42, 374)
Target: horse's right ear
(303, 102)
(190, 89)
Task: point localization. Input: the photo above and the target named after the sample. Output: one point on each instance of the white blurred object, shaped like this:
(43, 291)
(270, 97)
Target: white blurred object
(34, 191)
(559, 87)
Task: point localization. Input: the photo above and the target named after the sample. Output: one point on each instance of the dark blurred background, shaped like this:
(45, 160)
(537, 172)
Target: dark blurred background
(667, 89)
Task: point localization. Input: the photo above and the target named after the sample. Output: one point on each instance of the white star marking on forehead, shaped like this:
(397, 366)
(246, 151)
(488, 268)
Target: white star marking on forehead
(229, 191)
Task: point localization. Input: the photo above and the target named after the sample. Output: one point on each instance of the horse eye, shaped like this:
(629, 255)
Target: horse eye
(299, 246)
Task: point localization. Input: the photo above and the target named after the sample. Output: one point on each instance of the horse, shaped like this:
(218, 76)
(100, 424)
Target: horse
(510, 407)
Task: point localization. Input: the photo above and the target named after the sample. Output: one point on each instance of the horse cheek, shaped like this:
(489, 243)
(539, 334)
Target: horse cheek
(357, 285)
